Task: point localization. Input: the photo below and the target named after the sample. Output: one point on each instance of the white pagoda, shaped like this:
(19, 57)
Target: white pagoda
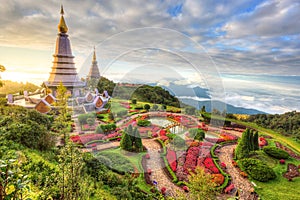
(63, 69)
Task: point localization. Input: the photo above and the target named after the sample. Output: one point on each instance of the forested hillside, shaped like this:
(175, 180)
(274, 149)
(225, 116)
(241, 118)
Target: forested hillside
(287, 123)
(146, 93)
(11, 87)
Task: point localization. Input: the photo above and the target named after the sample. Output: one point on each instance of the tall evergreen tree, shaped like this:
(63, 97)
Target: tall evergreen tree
(255, 141)
(126, 142)
(138, 140)
(250, 142)
(242, 149)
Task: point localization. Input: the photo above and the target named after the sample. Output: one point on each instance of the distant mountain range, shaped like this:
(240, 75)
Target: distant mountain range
(220, 106)
(198, 97)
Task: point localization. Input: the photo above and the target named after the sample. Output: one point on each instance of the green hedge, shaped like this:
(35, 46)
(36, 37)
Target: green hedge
(257, 169)
(276, 152)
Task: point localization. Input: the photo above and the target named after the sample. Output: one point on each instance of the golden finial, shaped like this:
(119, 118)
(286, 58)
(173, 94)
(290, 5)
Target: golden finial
(94, 56)
(62, 10)
(62, 26)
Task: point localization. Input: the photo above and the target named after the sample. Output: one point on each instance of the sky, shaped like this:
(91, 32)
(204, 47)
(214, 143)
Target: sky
(250, 47)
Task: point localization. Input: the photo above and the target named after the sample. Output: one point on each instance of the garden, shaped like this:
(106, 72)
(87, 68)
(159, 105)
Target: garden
(185, 145)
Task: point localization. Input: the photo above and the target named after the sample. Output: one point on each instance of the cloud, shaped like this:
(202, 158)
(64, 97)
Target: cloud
(271, 18)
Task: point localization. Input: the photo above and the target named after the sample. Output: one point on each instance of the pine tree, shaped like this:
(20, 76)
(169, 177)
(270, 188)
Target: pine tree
(250, 142)
(242, 149)
(255, 141)
(126, 142)
(138, 141)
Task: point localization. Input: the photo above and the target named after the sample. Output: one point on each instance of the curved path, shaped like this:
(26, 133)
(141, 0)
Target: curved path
(240, 183)
(155, 164)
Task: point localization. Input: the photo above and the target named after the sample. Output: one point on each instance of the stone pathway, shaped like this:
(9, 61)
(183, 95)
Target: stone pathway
(240, 183)
(107, 145)
(158, 174)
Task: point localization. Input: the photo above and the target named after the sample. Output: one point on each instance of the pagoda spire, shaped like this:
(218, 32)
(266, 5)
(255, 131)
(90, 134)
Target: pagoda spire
(94, 70)
(94, 56)
(62, 26)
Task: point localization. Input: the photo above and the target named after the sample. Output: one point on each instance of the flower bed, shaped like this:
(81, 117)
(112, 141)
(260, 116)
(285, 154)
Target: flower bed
(180, 173)
(83, 139)
(227, 136)
(218, 179)
(191, 159)
(171, 158)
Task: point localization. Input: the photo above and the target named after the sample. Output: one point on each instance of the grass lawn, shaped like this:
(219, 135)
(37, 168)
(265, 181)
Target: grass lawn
(279, 188)
(136, 160)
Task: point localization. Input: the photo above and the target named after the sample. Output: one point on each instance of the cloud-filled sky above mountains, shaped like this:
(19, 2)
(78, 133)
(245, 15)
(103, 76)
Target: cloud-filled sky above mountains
(244, 39)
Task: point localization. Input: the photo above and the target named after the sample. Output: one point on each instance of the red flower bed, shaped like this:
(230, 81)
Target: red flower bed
(171, 157)
(191, 159)
(215, 140)
(163, 190)
(164, 138)
(147, 156)
(229, 188)
(223, 165)
(262, 142)
(180, 173)
(154, 135)
(282, 161)
(208, 144)
(210, 165)
(162, 132)
(112, 135)
(83, 139)
(185, 188)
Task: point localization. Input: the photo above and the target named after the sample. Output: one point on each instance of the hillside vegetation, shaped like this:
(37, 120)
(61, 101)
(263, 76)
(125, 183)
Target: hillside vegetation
(287, 124)
(143, 93)
(11, 87)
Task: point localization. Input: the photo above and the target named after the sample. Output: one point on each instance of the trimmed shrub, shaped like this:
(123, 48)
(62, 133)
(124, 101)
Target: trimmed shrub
(143, 123)
(257, 169)
(276, 152)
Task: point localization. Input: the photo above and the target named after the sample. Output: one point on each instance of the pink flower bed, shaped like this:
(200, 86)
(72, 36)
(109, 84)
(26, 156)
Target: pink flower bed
(147, 156)
(180, 173)
(223, 165)
(185, 188)
(282, 161)
(208, 164)
(191, 159)
(171, 157)
(154, 135)
(83, 139)
(164, 138)
(229, 188)
(112, 135)
(215, 140)
(262, 142)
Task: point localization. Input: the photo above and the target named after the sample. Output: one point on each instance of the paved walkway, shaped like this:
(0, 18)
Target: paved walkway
(155, 164)
(240, 183)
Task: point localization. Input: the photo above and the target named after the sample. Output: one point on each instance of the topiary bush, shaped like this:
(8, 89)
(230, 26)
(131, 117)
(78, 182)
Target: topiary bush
(276, 152)
(257, 169)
